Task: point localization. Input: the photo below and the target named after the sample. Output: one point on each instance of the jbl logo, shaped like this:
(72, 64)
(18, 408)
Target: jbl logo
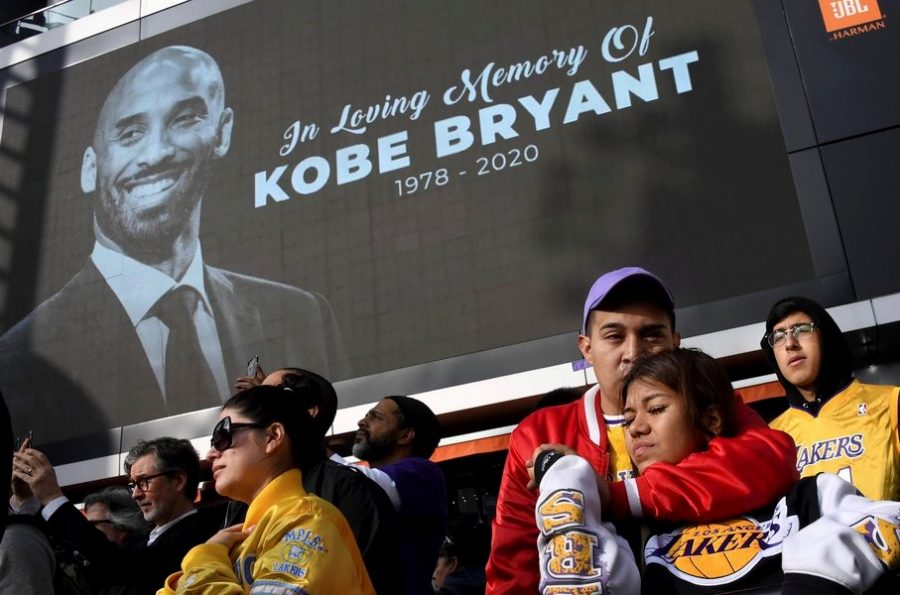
(841, 14)
(847, 8)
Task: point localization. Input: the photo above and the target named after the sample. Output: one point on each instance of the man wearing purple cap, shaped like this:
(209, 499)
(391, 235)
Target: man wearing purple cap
(628, 312)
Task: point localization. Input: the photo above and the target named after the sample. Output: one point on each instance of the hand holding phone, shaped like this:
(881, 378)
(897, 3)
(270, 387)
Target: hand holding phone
(28, 442)
(253, 366)
(255, 375)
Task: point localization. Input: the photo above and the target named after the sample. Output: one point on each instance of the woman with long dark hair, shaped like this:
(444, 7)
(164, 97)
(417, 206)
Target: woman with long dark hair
(291, 541)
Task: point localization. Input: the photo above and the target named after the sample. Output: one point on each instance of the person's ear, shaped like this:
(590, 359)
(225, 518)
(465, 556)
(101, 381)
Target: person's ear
(452, 564)
(676, 339)
(712, 420)
(180, 479)
(223, 133)
(313, 411)
(584, 346)
(89, 171)
(275, 436)
(406, 437)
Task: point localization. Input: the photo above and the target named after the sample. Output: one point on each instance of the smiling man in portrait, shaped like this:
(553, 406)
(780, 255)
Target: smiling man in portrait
(147, 328)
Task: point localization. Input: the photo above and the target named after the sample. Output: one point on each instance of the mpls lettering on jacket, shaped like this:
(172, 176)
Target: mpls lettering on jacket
(721, 482)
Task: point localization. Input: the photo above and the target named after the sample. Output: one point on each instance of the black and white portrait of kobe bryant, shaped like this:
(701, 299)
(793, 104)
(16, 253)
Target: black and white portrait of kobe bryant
(146, 328)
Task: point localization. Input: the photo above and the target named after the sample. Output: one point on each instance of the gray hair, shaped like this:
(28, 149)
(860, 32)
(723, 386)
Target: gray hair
(124, 512)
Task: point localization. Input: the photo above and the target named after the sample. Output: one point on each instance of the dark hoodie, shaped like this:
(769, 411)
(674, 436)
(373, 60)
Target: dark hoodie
(836, 369)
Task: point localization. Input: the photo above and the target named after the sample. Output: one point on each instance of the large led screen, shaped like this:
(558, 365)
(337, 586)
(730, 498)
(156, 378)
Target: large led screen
(357, 187)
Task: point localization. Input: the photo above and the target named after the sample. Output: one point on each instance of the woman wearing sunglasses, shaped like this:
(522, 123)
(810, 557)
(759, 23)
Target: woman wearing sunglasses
(291, 541)
(822, 537)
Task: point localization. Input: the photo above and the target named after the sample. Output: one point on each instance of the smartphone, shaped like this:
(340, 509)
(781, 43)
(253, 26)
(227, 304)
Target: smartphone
(29, 435)
(253, 366)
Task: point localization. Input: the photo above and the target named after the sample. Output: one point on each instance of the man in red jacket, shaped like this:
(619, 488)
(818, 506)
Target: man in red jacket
(628, 312)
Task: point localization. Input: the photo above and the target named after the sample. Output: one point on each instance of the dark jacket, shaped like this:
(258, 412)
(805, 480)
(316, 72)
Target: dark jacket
(465, 580)
(77, 353)
(141, 567)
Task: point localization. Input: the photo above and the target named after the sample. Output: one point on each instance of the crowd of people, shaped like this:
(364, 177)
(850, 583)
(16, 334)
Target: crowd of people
(299, 518)
(658, 479)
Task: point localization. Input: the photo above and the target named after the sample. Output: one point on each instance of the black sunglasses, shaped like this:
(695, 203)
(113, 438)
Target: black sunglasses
(223, 433)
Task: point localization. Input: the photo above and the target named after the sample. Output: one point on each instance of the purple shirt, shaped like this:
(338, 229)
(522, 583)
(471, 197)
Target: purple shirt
(422, 518)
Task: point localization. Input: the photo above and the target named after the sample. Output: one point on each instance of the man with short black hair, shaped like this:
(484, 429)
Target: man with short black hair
(148, 328)
(164, 474)
(840, 424)
(396, 437)
(628, 312)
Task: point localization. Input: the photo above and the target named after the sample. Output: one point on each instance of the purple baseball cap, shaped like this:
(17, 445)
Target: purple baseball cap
(645, 284)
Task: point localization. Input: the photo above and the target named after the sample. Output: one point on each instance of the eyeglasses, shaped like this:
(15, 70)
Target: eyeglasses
(800, 330)
(223, 433)
(144, 482)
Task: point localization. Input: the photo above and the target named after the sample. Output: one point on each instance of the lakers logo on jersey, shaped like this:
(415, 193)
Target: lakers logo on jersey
(718, 553)
(841, 447)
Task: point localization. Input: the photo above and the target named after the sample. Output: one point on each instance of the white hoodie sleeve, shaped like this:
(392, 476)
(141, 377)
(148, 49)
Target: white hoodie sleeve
(576, 550)
(384, 481)
(852, 543)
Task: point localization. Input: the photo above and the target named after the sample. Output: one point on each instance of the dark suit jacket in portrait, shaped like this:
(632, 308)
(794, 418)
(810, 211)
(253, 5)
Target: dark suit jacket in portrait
(76, 365)
(136, 566)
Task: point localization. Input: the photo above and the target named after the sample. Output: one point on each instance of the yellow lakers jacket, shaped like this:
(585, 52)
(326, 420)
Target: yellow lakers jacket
(299, 544)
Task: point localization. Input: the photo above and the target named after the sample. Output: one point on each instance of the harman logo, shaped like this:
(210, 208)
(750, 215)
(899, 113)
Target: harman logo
(846, 18)
(719, 553)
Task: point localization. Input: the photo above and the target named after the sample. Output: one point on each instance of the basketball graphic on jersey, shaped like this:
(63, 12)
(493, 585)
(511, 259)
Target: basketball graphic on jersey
(714, 553)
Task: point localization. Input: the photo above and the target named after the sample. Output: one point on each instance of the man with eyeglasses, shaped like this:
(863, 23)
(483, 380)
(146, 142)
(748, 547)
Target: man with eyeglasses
(840, 425)
(164, 475)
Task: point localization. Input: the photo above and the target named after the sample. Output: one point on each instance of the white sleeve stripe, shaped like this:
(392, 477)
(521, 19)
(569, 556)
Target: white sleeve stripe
(634, 499)
(590, 413)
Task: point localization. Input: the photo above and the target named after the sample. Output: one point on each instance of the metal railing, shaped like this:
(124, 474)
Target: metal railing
(50, 17)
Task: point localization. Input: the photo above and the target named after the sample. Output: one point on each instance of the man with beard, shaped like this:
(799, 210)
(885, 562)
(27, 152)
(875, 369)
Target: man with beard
(147, 329)
(396, 437)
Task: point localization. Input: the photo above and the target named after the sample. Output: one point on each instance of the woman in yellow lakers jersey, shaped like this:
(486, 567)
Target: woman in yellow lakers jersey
(291, 542)
(821, 536)
(840, 425)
